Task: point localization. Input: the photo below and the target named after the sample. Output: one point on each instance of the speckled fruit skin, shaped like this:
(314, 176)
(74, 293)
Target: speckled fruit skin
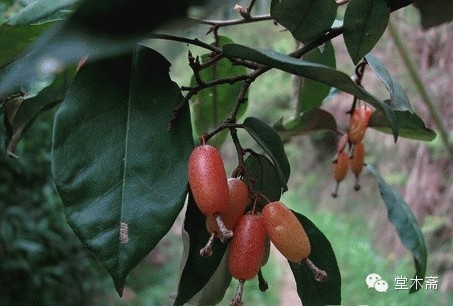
(238, 200)
(341, 166)
(358, 124)
(247, 247)
(286, 232)
(208, 180)
(358, 158)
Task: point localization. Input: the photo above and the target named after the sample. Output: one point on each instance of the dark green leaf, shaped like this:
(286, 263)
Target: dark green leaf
(309, 122)
(434, 12)
(271, 143)
(92, 30)
(211, 106)
(29, 107)
(311, 292)
(409, 125)
(409, 232)
(121, 175)
(37, 10)
(197, 270)
(305, 19)
(398, 98)
(312, 93)
(312, 71)
(16, 39)
(265, 177)
(364, 23)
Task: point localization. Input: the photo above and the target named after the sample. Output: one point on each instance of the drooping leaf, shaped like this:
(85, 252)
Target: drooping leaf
(198, 270)
(364, 23)
(309, 122)
(312, 71)
(29, 107)
(312, 93)
(271, 143)
(398, 98)
(305, 19)
(121, 175)
(211, 106)
(311, 292)
(409, 232)
(434, 12)
(409, 125)
(92, 30)
(263, 176)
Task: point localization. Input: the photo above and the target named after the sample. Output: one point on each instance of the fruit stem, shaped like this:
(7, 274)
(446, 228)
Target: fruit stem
(262, 283)
(224, 233)
(237, 300)
(207, 250)
(320, 275)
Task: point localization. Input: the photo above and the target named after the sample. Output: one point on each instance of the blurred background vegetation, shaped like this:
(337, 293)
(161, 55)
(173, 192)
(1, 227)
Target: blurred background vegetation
(42, 262)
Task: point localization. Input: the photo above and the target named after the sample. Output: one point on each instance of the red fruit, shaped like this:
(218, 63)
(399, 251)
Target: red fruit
(340, 166)
(238, 200)
(247, 247)
(358, 123)
(208, 180)
(286, 232)
(358, 158)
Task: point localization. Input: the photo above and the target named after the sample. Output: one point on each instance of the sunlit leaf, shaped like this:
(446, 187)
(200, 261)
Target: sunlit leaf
(268, 138)
(121, 175)
(398, 98)
(312, 292)
(37, 10)
(364, 23)
(409, 232)
(305, 19)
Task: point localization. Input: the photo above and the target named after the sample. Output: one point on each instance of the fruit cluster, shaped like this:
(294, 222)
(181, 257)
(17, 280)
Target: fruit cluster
(224, 202)
(355, 160)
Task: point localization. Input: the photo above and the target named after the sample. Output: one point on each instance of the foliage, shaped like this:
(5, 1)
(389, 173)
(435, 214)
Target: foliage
(124, 129)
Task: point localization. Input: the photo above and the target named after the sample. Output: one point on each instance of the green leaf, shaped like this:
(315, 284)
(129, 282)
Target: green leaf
(271, 143)
(92, 30)
(37, 10)
(211, 106)
(263, 174)
(398, 98)
(409, 125)
(309, 122)
(409, 232)
(121, 175)
(15, 40)
(434, 12)
(364, 23)
(312, 71)
(197, 270)
(20, 115)
(312, 93)
(305, 19)
(311, 292)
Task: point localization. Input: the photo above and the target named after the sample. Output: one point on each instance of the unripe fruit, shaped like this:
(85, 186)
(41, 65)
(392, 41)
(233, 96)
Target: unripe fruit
(358, 124)
(340, 166)
(208, 180)
(286, 232)
(247, 247)
(238, 200)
